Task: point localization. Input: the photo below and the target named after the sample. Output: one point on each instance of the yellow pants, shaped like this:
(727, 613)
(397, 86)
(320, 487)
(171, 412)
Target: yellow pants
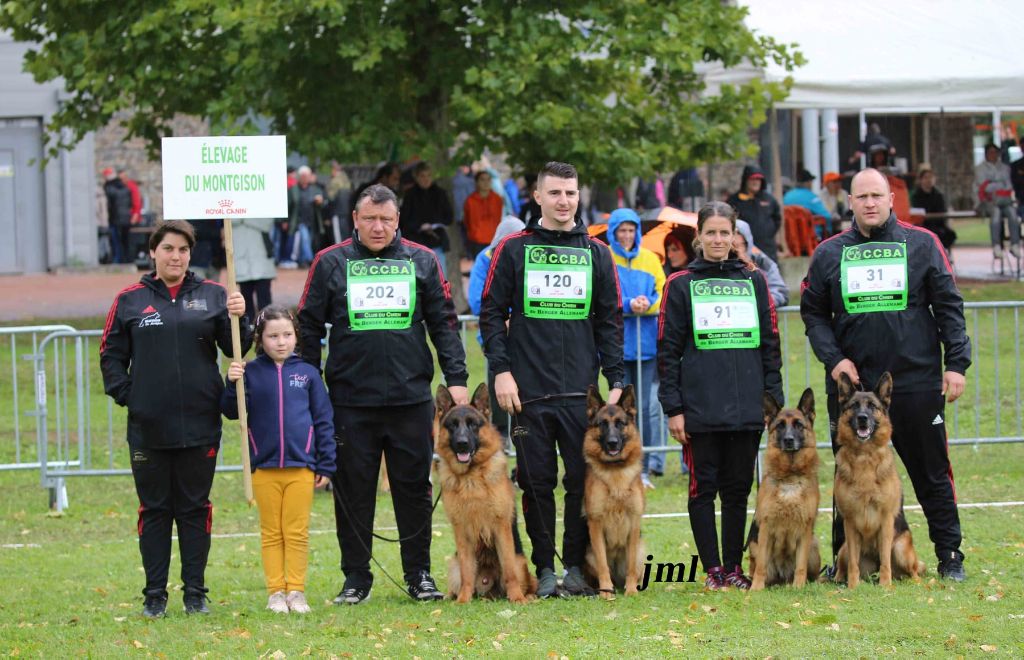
(284, 497)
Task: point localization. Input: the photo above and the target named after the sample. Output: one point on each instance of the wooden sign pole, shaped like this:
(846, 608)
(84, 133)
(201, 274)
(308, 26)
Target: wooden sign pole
(236, 350)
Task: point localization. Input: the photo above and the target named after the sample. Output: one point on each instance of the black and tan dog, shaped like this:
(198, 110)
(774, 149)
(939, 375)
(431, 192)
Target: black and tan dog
(613, 494)
(783, 549)
(868, 493)
(479, 501)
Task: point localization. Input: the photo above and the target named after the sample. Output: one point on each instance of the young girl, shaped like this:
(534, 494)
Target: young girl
(291, 438)
(718, 352)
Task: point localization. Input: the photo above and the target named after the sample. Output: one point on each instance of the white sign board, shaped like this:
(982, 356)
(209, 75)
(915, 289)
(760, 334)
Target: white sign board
(219, 177)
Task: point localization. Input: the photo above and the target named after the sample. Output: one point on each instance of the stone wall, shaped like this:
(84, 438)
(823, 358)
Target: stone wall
(953, 158)
(114, 150)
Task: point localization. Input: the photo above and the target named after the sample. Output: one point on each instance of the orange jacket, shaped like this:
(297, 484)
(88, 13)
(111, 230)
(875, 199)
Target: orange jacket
(482, 216)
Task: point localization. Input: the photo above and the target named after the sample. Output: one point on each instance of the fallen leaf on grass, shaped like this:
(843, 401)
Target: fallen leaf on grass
(120, 619)
(834, 626)
(435, 613)
(137, 644)
(614, 614)
(507, 614)
(994, 598)
(988, 648)
(975, 617)
(277, 655)
(782, 624)
(950, 643)
(496, 644)
(709, 609)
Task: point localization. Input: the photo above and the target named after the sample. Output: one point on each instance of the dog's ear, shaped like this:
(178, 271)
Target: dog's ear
(806, 405)
(771, 407)
(443, 401)
(846, 388)
(628, 400)
(482, 400)
(884, 389)
(594, 401)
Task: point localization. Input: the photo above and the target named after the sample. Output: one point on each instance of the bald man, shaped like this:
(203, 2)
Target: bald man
(881, 297)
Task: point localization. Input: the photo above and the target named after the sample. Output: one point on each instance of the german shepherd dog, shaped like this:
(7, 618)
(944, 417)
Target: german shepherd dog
(479, 501)
(867, 490)
(783, 549)
(613, 494)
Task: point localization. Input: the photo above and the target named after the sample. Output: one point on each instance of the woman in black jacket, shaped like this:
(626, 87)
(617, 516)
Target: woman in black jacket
(159, 358)
(718, 352)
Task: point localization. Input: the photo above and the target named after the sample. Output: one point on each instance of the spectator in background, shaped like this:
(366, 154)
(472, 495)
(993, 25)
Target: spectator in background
(641, 281)
(481, 213)
(426, 212)
(678, 253)
(512, 194)
(305, 218)
(133, 187)
(741, 242)
(530, 213)
(1017, 179)
(339, 192)
(995, 199)
(684, 188)
(477, 278)
(119, 213)
(389, 174)
(463, 186)
(834, 197)
(208, 239)
(874, 143)
(927, 197)
(254, 262)
(803, 196)
(759, 209)
(650, 193)
(292, 179)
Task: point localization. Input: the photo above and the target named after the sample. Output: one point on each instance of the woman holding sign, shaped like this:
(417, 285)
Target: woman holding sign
(718, 352)
(159, 358)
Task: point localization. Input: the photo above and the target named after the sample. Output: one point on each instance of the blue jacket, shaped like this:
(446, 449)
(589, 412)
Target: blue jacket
(477, 279)
(807, 199)
(291, 421)
(640, 273)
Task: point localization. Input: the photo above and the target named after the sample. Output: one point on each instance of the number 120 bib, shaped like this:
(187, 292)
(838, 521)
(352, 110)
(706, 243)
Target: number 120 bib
(724, 314)
(874, 277)
(557, 282)
(381, 294)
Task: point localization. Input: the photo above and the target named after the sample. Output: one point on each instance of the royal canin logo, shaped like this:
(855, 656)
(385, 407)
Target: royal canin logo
(226, 207)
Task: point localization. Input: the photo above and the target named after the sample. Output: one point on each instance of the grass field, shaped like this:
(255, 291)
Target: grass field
(72, 582)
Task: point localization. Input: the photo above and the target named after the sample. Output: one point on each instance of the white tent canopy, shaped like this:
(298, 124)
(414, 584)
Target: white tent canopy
(895, 55)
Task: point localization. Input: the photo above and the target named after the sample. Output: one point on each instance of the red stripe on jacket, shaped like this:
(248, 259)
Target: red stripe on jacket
(664, 301)
(494, 259)
(112, 314)
(312, 269)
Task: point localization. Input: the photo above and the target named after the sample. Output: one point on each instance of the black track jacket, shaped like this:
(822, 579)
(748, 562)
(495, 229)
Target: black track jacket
(551, 356)
(159, 358)
(904, 343)
(369, 368)
(717, 390)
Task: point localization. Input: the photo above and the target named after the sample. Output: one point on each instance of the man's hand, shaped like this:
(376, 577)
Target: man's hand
(460, 395)
(677, 429)
(236, 304)
(235, 371)
(847, 367)
(506, 391)
(953, 385)
(613, 395)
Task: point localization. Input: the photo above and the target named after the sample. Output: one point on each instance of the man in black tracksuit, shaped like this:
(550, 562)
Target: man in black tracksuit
(557, 290)
(382, 294)
(753, 204)
(158, 356)
(881, 297)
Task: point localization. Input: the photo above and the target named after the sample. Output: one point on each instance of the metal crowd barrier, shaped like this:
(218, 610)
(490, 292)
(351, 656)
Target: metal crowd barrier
(80, 432)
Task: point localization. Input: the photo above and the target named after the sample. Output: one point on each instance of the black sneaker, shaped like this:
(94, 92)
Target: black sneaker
(547, 583)
(352, 596)
(574, 584)
(195, 602)
(155, 606)
(828, 572)
(952, 566)
(422, 587)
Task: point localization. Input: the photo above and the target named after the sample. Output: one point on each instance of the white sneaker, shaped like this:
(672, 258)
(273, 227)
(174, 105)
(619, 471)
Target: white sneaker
(297, 602)
(1015, 251)
(288, 265)
(997, 251)
(646, 482)
(277, 603)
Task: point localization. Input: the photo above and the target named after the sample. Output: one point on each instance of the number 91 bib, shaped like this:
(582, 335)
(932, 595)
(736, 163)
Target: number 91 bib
(381, 294)
(557, 282)
(724, 314)
(874, 277)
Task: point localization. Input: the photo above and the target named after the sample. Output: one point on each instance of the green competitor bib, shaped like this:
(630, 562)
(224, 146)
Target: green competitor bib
(557, 282)
(724, 314)
(381, 294)
(874, 277)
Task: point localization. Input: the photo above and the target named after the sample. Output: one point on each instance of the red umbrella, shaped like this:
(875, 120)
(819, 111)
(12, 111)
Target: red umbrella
(655, 226)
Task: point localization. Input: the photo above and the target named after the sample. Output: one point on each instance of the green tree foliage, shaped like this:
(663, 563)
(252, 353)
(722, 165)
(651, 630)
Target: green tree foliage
(609, 85)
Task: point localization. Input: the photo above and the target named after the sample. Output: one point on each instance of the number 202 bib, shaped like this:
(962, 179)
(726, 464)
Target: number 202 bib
(724, 314)
(557, 282)
(381, 294)
(874, 277)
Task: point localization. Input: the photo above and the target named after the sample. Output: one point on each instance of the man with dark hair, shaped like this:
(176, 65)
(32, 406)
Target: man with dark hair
(119, 213)
(382, 295)
(880, 297)
(804, 196)
(927, 197)
(550, 317)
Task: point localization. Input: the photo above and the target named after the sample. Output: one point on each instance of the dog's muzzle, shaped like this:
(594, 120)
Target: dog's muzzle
(863, 426)
(462, 447)
(790, 442)
(613, 443)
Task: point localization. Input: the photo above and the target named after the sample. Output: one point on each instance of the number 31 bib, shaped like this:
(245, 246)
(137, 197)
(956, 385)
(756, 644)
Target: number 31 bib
(381, 294)
(724, 314)
(874, 277)
(557, 282)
